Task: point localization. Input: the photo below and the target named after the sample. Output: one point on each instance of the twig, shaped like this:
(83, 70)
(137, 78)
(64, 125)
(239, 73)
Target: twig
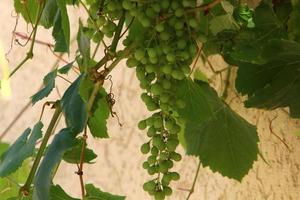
(196, 60)
(194, 182)
(205, 7)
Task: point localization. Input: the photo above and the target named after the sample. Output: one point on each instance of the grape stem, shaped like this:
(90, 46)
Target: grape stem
(191, 191)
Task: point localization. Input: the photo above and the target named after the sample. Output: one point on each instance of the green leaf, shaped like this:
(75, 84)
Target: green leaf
(57, 193)
(93, 193)
(27, 10)
(100, 111)
(224, 142)
(74, 108)
(73, 155)
(65, 69)
(62, 142)
(21, 149)
(190, 93)
(49, 84)
(276, 83)
(294, 21)
(49, 13)
(220, 23)
(83, 43)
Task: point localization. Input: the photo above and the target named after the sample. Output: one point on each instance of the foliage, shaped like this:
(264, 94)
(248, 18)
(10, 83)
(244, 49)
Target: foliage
(161, 41)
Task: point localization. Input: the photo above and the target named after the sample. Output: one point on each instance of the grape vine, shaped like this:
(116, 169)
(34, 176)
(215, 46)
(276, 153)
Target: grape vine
(162, 40)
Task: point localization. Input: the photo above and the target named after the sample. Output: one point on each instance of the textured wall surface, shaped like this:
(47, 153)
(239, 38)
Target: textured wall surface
(118, 166)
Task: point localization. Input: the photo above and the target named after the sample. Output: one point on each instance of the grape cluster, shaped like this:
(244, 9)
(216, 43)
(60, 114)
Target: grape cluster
(162, 60)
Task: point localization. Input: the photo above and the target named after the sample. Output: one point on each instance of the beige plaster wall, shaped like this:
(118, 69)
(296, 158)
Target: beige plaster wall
(118, 166)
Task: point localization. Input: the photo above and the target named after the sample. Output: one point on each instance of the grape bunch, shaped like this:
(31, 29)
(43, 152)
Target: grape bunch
(162, 59)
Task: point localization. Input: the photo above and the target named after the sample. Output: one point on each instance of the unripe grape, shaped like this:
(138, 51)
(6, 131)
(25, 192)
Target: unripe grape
(150, 12)
(164, 4)
(151, 160)
(186, 69)
(142, 125)
(179, 12)
(169, 163)
(156, 89)
(164, 36)
(168, 191)
(180, 103)
(146, 165)
(164, 156)
(172, 144)
(171, 57)
(164, 107)
(145, 148)
(150, 68)
(163, 167)
(175, 129)
(169, 124)
(139, 54)
(101, 21)
(174, 5)
(153, 60)
(132, 62)
(152, 106)
(159, 195)
(181, 44)
(175, 156)
(166, 84)
(151, 52)
(167, 69)
(166, 179)
(150, 120)
(154, 151)
(145, 21)
(98, 36)
(177, 74)
(160, 27)
(175, 176)
(127, 5)
(158, 142)
(151, 131)
(164, 97)
(158, 123)
(151, 170)
(193, 23)
(156, 7)
(111, 6)
(178, 25)
(150, 185)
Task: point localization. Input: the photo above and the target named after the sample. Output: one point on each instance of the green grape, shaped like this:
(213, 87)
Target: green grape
(153, 60)
(186, 69)
(145, 21)
(179, 12)
(97, 37)
(178, 25)
(175, 156)
(177, 74)
(151, 52)
(174, 176)
(146, 165)
(152, 192)
(100, 21)
(150, 185)
(164, 97)
(150, 120)
(158, 124)
(154, 151)
(160, 27)
(156, 89)
(150, 77)
(145, 148)
(168, 191)
(151, 170)
(151, 160)
(167, 69)
(139, 54)
(144, 84)
(193, 23)
(164, 107)
(142, 125)
(169, 124)
(164, 4)
(152, 106)
(163, 167)
(159, 195)
(145, 97)
(180, 33)
(166, 178)
(164, 156)
(158, 142)
(166, 84)
(164, 36)
(150, 68)
(111, 6)
(175, 129)
(172, 144)
(150, 12)
(171, 57)
(181, 44)
(151, 131)
(127, 5)
(174, 5)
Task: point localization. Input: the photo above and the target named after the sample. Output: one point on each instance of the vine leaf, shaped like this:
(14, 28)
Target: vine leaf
(27, 10)
(57, 193)
(49, 13)
(21, 149)
(7, 189)
(73, 155)
(93, 193)
(100, 110)
(220, 23)
(224, 141)
(294, 22)
(83, 44)
(276, 83)
(74, 108)
(62, 142)
(49, 84)
(65, 69)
